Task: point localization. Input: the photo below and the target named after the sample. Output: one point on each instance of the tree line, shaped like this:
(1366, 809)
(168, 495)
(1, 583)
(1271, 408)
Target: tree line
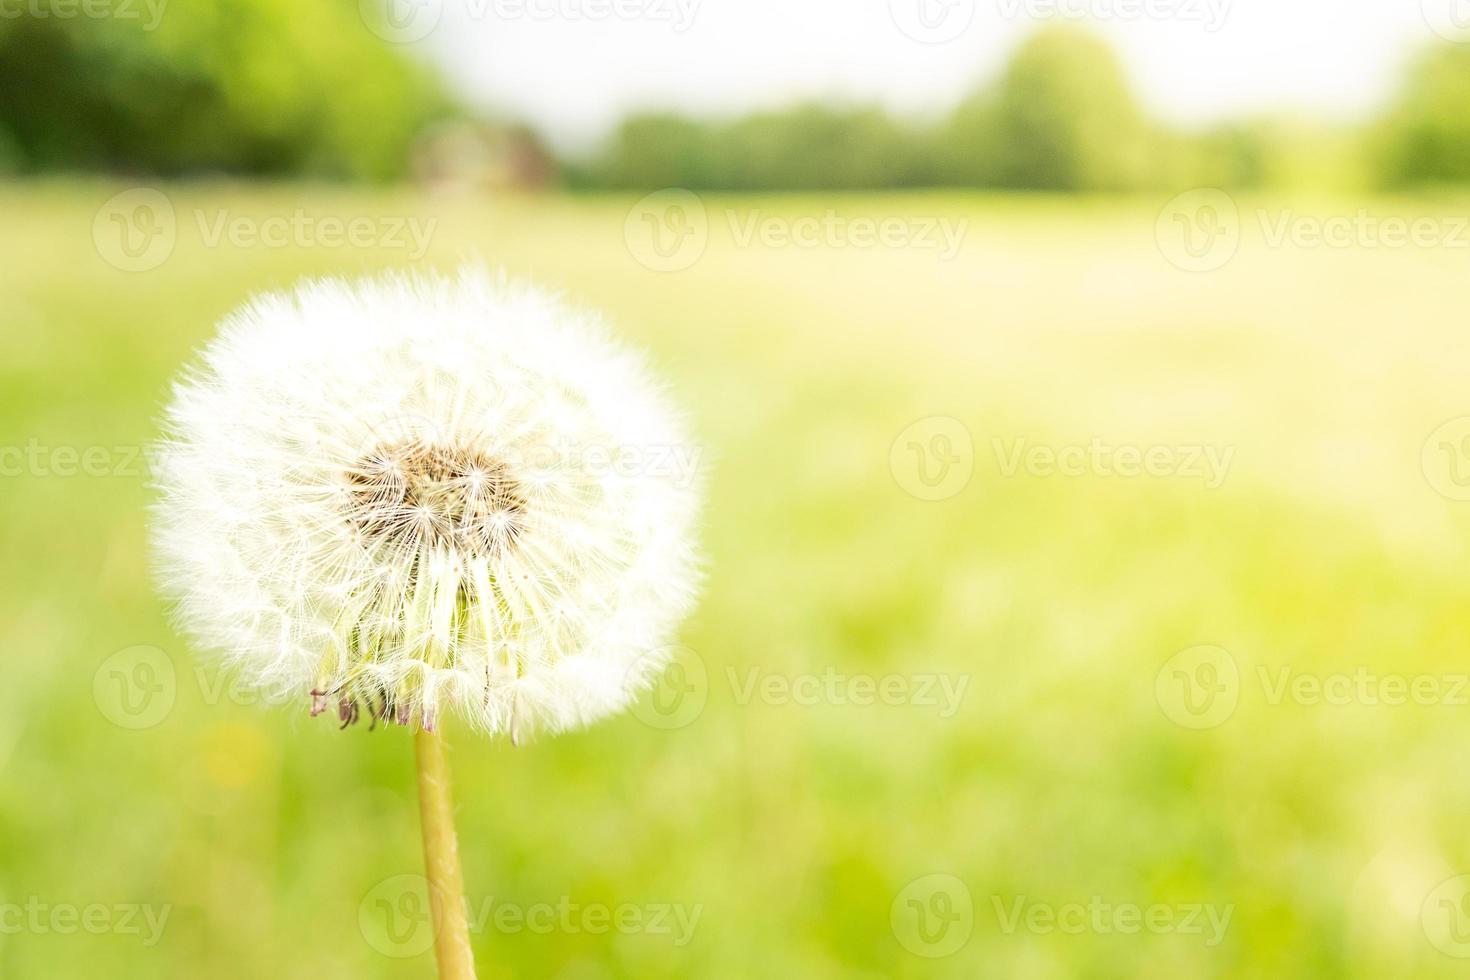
(286, 88)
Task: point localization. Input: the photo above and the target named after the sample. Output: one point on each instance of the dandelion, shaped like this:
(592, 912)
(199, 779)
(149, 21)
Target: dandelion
(408, 497)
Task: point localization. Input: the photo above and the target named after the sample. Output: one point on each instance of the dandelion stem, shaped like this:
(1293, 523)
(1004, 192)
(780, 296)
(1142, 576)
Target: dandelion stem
(441, 860)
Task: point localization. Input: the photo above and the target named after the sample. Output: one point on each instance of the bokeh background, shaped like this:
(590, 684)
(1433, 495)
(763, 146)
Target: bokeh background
(1083, 394)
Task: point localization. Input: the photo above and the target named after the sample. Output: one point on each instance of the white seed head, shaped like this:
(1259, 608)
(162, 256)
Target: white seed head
(408, 494)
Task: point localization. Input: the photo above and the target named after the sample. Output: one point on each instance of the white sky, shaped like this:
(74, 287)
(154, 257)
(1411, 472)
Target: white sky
(574, 67)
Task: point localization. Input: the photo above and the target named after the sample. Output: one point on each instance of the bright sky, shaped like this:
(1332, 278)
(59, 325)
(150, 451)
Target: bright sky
(574, 67)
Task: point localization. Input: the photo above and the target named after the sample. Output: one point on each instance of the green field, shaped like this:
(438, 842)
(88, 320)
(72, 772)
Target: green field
(1016, 636)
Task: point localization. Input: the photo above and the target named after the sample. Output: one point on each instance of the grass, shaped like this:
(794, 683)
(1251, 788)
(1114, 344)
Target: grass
(792, 823)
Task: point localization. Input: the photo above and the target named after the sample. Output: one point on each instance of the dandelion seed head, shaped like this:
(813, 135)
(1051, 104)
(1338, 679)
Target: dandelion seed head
(395, 497)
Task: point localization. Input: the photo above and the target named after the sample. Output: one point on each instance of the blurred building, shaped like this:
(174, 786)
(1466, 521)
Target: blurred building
(480, 155)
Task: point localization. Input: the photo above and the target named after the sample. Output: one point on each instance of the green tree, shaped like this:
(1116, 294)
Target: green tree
(1425, 138)
(811, 147)
(652, 151)
(802, 148)
(1062, 118)
(239, 86)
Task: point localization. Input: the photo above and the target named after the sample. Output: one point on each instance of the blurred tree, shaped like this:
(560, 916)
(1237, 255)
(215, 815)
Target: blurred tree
(10, 159)
(1425, 138)
(1234, 156)
(1062, 118)
(239, 86)
(813, 146)
(654, 150)
(802, 148)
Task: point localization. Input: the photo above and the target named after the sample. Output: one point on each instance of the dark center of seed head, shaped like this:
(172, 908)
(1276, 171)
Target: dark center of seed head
(417, 494)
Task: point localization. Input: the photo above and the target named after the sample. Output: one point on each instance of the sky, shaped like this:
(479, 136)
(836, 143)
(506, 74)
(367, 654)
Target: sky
(573, 68)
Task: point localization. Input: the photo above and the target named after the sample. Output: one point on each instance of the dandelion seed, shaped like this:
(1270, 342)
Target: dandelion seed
(386, 494)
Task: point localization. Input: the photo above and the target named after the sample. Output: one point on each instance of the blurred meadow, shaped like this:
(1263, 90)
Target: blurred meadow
(1054, 771)
(1089, 507)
